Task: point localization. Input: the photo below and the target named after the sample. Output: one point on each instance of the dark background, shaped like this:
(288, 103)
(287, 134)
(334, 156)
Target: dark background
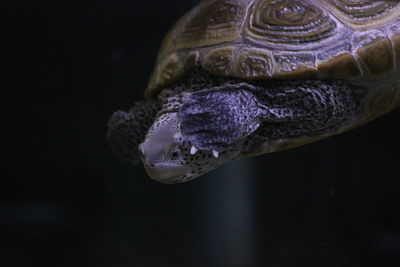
(66, 200)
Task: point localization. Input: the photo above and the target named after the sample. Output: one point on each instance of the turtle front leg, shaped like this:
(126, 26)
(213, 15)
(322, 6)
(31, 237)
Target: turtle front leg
(217, 118)
(306, 107)
(126, 130)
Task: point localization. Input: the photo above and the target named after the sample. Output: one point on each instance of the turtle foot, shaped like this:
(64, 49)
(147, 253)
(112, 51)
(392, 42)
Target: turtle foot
(216, 118)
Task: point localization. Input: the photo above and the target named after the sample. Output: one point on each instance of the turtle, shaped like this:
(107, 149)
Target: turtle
(240, 78)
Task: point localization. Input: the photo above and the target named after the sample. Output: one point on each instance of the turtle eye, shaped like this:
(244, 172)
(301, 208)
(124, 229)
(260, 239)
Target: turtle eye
(174, 153)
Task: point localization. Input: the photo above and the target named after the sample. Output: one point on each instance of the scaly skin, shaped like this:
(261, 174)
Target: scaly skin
(196, 131)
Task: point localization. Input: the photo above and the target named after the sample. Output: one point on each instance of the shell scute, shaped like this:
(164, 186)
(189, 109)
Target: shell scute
(253, 64)
(290, 22)
(343, 66)
(168, 70)
(291, 62)
(378, 57)
(364, 13)
(216, 22)
(219, 61)
(295, 66)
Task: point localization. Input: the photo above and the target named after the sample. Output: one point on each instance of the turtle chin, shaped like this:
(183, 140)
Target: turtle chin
(166, 173)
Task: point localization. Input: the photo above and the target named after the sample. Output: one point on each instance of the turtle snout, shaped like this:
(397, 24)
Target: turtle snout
(157, 167)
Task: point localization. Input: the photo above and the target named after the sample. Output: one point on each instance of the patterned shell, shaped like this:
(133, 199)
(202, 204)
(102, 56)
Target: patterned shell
(353, 40)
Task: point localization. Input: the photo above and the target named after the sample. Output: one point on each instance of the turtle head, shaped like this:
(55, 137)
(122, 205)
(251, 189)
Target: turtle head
(169, 158)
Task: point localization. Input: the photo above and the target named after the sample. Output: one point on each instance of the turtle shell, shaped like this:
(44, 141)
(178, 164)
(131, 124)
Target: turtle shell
(353, 40)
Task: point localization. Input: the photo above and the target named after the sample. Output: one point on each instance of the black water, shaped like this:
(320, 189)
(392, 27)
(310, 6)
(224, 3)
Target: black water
(65, 200)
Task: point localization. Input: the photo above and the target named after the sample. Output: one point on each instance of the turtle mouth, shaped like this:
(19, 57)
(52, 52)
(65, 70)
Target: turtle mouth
(165, 174)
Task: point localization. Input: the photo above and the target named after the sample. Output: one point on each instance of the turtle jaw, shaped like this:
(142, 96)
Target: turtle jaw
(165, 173)
(161, 171)
(158, 170)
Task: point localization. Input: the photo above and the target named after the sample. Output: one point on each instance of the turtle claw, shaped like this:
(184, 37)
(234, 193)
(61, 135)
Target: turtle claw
(219, 117)
(215, 154)
(193, 150)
